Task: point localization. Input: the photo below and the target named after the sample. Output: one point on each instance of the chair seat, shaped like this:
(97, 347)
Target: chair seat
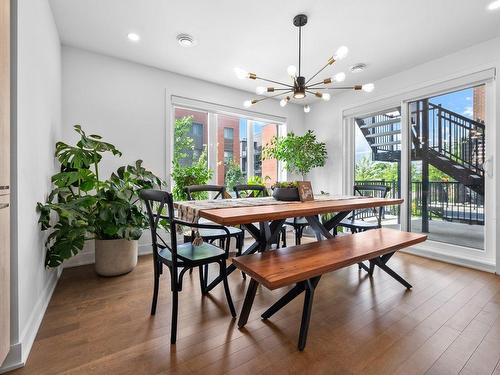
(215, 233)
(358, 224)
(297, 221)
(190, 253)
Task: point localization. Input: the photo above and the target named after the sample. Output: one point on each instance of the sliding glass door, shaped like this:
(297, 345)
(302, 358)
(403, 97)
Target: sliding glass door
(447, 176)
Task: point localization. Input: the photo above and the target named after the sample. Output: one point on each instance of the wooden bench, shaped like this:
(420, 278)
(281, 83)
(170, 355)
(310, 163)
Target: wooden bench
(304, 264)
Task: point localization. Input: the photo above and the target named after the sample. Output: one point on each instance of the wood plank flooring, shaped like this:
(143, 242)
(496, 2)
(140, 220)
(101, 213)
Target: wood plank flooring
(448, 324)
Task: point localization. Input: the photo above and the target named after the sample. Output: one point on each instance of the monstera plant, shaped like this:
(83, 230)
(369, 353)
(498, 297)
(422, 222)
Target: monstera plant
(84, 207)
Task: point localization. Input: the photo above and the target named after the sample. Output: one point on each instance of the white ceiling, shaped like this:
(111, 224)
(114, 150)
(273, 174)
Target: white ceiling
(388, 35)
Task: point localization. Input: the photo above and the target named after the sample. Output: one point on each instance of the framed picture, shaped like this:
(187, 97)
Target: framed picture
(305, 191)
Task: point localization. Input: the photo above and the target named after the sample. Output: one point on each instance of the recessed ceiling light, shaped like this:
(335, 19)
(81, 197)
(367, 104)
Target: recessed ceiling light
(185, 40)
(358, 68)
(133, 37)
(494, 5)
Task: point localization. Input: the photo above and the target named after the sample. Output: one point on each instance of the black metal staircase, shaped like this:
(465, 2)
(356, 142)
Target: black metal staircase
(442, 138)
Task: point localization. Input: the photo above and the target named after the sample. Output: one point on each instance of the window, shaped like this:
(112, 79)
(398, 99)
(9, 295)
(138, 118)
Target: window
(226, 139)
(378, 159)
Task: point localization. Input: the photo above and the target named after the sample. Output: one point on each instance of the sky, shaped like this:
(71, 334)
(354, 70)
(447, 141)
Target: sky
(460, 102)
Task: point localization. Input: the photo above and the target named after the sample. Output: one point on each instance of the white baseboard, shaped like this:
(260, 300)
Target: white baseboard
(19, 352)
(478, 264)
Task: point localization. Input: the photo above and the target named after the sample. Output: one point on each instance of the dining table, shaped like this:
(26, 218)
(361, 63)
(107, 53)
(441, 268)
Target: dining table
(263, 218)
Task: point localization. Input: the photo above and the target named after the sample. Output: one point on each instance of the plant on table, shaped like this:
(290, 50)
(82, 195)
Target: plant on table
(83, 207)
(300, 154)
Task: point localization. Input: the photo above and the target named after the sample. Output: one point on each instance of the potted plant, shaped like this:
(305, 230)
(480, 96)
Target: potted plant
(83, 207)
(286, 191)
(300, 154)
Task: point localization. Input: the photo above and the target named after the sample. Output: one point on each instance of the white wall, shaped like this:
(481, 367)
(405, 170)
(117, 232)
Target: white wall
(38, 127)
(129, 105)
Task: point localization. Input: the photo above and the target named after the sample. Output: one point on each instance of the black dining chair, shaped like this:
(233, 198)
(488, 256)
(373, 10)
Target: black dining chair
(179, 258)
(212, 235)
(355, 222)
(255, 191)
(298, 224)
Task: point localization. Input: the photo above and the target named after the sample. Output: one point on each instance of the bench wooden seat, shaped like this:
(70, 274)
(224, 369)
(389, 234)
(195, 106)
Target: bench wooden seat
(304, 264)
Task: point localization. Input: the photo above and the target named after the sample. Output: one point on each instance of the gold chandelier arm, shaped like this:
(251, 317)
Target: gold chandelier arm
(355, 87)
(330, 62)
(270, 80)
(255, 101)
(326, 81)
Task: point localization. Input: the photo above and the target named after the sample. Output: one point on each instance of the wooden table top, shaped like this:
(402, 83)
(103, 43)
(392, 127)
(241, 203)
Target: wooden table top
(245, 215)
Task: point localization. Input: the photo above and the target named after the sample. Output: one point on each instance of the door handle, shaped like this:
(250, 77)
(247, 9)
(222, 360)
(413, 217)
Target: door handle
(4, 187)
(486, 168)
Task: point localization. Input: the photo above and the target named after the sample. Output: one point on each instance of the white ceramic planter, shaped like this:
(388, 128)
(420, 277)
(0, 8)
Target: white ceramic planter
(115, 257)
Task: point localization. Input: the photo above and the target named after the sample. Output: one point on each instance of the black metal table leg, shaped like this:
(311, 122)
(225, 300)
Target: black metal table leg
(310, 286)
(379, 262)
(247, 304)
(292, 293)
(264, 236)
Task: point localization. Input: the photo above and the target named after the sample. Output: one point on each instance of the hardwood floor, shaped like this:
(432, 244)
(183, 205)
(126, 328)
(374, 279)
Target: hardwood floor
(448, 324)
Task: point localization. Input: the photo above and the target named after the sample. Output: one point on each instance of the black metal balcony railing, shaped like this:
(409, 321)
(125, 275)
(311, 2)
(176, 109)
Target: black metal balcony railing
(449, 134)
(450, 201)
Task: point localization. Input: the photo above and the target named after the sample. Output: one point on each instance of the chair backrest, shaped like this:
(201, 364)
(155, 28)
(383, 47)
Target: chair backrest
(160, 209)
(250, 191)
(374, 191)
(220, 191)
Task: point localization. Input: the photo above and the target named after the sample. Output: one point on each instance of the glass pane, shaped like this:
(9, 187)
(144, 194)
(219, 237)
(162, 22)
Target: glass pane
(263, 170)
(378, 162)
(447, 176)
(231, 151)
(191, 134)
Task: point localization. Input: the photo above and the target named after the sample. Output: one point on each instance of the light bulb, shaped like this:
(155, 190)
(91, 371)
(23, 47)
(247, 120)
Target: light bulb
(260, 90)
(247, 103)
(341, 53)
(339, 77)
(325, 96)
(291, 70)
(284, 101)
(494, 5)
(241, 73)
(299, 95)
(307, 109)
(368, 87)
(133, 37)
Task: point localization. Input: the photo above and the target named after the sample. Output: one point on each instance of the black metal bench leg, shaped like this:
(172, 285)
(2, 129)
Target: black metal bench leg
(292, 293)
(247, 304)
(363, 266)
(378, 262)
(309, 286)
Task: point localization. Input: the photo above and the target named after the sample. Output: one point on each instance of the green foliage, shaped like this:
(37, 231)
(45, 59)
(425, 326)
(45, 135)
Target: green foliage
(197, 173)
(366, 170)
(183, 143)
(234, 175)
(285, 185)
(82, 207)
(299, 153)
(257, 180)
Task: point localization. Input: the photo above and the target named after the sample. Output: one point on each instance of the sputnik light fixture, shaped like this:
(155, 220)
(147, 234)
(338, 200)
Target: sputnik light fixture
(300, 87)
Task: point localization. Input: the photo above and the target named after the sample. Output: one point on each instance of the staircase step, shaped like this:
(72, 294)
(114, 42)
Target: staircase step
(386, 144)
(376, 135)
(382, 123)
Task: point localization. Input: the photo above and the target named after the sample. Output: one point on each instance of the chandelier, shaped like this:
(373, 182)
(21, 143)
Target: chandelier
(299, 88)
